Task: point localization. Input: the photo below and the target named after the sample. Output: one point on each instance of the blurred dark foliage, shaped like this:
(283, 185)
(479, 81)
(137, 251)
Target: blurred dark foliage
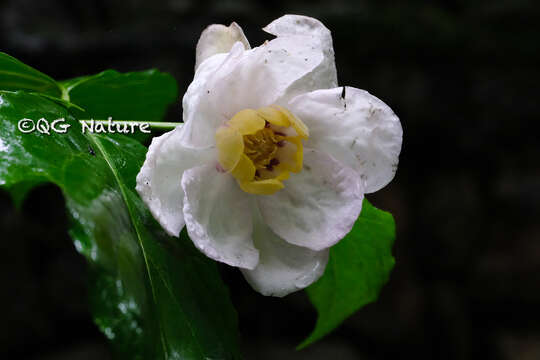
(463, 77)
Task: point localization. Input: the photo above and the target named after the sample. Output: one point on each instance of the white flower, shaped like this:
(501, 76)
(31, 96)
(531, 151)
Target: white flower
(270, 167)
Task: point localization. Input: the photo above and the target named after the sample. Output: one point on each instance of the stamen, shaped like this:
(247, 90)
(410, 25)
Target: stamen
(260, 148)
(274, 162)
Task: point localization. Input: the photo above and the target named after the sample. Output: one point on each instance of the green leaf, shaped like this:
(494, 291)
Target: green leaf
(358, 267)
(19, 191)
(15, 75)
(154, 297)
(141, 96)
(65, 103)
(137, 96)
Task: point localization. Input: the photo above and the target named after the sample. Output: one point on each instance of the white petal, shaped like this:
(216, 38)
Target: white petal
(216, 39)
(283, 268)
(272, 73)
(325, 75)
(202, 113)
(219, 216)
(318, 206)
(358, 129)
(158, 181)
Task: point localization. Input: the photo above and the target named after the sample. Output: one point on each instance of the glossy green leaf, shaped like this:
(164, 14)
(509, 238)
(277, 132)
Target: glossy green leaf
(138, 96)
(155, 297)
(358, 267)
(18, 191)
(66, 103)
(15, 75)
(142, 96)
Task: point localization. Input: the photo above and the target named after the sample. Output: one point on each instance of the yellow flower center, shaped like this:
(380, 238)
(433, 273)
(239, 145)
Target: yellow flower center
(260, 148)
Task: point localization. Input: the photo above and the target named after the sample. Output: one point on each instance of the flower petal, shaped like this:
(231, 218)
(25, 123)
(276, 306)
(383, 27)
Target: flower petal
(158, 181)
(354, 127)
(202, 113)
(290, 154)
(247, 122)
(216, 39)
(283, 268)
(244, 169)
(298, 125)
(274, 116)
(218, 216)
(318, 206)
(261, 187)
(325, 75)
(230, 146)
(273, 73)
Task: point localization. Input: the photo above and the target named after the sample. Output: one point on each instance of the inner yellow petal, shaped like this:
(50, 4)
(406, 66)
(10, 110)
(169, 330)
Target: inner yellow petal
(274, 116)
(291, 154)
(247, 122)
(262, 187)
(230, 145)
(283, 176)
(244, 169)
(297, 124)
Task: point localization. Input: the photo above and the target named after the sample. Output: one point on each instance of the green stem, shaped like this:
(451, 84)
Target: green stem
(153, 124)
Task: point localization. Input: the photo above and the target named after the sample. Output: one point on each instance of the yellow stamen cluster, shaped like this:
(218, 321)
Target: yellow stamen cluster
(260, 148)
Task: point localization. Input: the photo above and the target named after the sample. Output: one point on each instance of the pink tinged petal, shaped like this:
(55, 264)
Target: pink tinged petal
(283, 268)
(318, 206)
(273, 73)
(218, 216)
(354, 127)
(216, 39)
(159, 180)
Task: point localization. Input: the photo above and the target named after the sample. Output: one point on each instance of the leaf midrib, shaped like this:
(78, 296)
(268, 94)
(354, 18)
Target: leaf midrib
(94, 139)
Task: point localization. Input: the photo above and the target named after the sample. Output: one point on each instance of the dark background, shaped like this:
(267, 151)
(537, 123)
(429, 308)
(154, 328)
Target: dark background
(466, 198)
